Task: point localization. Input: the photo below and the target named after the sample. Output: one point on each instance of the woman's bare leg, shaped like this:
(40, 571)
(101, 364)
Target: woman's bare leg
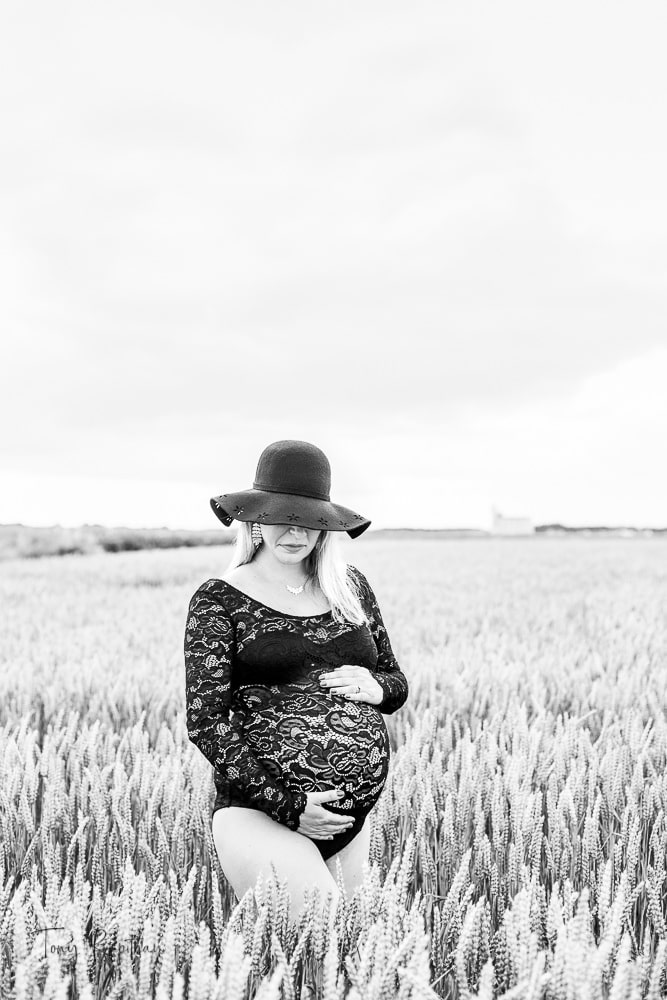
(352, 858)
(247, 841)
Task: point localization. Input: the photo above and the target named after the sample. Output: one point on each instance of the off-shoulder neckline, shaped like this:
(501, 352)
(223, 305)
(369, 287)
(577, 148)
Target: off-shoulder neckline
(267, 607)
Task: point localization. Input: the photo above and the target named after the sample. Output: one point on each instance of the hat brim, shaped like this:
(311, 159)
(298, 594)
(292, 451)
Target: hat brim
(286, 508)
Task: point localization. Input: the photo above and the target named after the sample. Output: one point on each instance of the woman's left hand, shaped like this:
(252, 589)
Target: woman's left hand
(353, 682)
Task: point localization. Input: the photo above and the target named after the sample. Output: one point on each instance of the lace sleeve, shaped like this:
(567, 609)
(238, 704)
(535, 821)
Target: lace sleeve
(209, 643)
(387, 672)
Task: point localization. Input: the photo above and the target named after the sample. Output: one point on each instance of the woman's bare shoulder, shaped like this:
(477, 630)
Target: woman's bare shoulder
(239, 574)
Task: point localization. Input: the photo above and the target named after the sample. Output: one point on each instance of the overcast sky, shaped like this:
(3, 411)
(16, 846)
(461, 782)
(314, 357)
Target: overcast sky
(429, 237)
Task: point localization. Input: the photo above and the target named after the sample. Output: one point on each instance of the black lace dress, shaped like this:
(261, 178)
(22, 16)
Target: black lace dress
(256, 709)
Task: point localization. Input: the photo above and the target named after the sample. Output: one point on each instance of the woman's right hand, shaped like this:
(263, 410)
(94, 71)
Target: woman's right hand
(319, 823)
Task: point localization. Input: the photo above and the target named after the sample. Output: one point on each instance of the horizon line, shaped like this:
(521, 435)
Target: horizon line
(535, 528)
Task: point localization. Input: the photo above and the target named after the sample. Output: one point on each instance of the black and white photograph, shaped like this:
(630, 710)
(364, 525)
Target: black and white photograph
(333, 507)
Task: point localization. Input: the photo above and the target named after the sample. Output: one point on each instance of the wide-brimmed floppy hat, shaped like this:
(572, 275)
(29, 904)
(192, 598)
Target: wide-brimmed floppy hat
(291, 486)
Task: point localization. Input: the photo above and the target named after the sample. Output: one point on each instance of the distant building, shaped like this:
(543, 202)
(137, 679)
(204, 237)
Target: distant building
(511, 525)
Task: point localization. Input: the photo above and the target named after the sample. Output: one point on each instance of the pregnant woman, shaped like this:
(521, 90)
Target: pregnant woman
(289, 671)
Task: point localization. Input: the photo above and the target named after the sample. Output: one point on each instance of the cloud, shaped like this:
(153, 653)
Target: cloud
(222, 225)
(587, 458)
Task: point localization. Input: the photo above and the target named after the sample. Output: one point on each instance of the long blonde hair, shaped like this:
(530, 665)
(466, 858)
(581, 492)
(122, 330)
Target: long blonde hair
(324, 565)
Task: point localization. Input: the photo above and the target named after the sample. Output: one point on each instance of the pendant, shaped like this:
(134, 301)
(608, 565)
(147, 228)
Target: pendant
(295, 590)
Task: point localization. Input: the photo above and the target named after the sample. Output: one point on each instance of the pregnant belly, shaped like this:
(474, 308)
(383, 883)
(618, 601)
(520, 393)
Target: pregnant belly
(319, 741)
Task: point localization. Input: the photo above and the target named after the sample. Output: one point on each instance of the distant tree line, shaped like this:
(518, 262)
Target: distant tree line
(599, 528)
(19, 541)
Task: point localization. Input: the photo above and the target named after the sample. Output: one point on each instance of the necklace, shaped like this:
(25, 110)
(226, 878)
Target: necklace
(295, 590)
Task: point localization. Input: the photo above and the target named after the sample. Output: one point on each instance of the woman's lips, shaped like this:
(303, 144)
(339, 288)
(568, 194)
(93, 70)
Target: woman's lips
(292, 546)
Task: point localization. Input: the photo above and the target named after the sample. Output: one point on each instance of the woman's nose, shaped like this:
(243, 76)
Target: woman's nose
(297, 531)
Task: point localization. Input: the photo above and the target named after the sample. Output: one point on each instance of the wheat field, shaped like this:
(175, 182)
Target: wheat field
(518, 850)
